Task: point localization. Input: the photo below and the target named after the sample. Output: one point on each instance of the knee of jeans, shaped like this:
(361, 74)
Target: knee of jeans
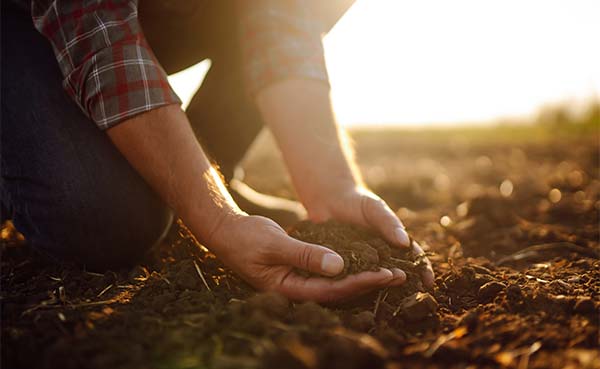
(97, 230)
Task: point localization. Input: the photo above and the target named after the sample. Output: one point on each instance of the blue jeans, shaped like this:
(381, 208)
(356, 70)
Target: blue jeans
(64, 184)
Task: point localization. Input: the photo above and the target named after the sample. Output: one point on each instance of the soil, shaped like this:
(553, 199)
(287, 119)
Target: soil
(361, 249)
(517, 276)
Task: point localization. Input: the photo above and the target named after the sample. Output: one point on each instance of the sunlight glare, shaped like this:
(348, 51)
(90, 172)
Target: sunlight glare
(416, 63)
(429, 61)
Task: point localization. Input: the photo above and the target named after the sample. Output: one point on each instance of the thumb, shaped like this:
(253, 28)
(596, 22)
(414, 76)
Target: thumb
(310, 257)
(380, 217)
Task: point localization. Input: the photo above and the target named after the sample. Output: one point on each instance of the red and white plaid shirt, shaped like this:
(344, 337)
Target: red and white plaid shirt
(112, 74)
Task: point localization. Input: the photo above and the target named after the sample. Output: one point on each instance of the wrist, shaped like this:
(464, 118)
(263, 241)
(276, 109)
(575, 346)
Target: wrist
(211, 208)
(214, 229)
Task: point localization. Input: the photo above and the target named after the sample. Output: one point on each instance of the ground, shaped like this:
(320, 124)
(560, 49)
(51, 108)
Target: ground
(509, 217)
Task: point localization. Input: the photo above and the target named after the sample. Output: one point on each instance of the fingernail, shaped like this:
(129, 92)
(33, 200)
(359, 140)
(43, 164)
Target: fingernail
(332, 264)
(399, 273)
(399, 277)
(388, 273)
(402, 236)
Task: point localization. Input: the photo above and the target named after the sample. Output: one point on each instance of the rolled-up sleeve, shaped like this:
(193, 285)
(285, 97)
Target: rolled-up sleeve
(108, 68)
(281, 39)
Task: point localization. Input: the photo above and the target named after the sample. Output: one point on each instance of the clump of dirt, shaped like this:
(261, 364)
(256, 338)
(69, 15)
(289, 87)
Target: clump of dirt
(361, 249)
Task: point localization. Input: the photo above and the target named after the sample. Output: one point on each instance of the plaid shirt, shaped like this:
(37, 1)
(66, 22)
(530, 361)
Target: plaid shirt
(112, 74)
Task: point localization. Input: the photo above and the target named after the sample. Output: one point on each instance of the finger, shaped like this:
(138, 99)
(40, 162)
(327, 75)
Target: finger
(309, 257)
(427, 276)
(325, 290)
(399, 277)
(380, 217)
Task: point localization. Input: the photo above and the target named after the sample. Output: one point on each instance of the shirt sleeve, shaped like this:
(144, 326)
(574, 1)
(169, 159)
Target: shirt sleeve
(107, 65)
(281, 39)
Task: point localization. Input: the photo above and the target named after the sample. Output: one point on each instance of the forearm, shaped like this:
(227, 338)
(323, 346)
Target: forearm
(314, 147)
(161, 146)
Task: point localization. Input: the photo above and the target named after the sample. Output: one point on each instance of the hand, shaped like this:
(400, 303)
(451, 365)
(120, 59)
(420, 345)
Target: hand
(317, 154)
(264, 255)
(358, 205)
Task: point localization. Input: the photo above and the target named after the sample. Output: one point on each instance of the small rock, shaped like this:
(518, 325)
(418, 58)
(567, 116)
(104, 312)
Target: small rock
(488, 291)
(418, 306)
(584, 305)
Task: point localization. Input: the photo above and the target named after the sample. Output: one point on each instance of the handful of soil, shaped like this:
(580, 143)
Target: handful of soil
(361, 249)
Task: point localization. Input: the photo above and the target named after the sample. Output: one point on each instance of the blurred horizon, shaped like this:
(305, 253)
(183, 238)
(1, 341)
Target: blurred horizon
(435, 63)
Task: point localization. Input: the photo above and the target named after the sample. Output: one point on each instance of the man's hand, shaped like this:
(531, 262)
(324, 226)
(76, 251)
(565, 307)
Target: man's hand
(320, 162)
(260, 251)
(359, 206)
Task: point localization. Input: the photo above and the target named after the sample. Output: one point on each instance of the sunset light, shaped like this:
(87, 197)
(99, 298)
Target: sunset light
(437, 62)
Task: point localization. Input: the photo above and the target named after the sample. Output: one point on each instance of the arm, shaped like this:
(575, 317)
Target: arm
(162, 148)
(316, 152)
(286, 73)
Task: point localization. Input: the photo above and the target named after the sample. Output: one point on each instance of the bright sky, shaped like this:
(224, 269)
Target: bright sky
(435, 61)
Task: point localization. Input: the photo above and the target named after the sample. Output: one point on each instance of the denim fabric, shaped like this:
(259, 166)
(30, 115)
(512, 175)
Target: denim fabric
(69, 190)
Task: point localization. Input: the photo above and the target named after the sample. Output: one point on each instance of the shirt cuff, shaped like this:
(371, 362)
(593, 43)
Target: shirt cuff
(284, 62)
(281, 40)
(120, 82)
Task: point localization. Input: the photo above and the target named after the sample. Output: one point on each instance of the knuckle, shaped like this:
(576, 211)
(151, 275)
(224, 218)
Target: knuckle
(304, 256)
(377, 206)
(371, 206)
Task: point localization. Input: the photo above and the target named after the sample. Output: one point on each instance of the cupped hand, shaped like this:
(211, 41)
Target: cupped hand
(357, 205)
(263, 254)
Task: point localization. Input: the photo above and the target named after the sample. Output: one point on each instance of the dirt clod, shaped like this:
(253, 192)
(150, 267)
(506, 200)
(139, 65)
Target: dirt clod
(418, 306)
(489, 290)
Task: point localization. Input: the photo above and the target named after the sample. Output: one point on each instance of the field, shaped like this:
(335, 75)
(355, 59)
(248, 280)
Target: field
(508, 215)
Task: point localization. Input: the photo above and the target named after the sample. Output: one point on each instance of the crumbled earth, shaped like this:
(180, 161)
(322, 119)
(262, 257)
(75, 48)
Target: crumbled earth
(361, 249)
(511, 227)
